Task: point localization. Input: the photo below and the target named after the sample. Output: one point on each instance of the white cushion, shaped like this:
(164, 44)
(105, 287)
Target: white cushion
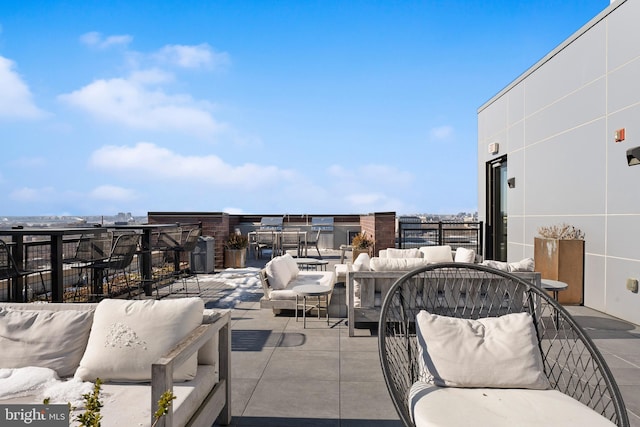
(43, 338)
(499, 352)
(461, 407)
(278, 273)
(324, 278)
(292, 265)
(526, 264)
(465, 255)
(127, 336)
(498, 265)
(403, 253)
(396, 264)
(362, 262)
(434, 254)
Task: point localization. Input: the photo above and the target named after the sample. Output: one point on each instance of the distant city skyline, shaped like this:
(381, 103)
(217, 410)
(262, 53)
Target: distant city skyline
(246, 106)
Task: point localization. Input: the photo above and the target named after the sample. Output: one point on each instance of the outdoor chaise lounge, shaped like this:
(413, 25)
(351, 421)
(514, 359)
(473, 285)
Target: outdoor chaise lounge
(463, 344)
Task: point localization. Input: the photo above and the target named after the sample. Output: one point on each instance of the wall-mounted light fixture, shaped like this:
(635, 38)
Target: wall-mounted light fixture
(493, 148)
(633, 156)
(511, 182)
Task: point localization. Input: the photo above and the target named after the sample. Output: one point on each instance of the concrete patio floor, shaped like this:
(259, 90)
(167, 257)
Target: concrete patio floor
(285, 375)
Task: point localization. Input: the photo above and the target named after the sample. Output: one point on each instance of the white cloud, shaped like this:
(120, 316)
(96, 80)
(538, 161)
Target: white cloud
(441, 133)
(112, 193)
(95, 39)
(27, 194)
(162, 165)
(198, 56)
(370, 187)
(15, 97)
(131, 102)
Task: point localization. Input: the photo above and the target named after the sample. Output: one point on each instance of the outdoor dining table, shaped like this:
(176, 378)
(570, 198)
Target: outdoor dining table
(278, 236)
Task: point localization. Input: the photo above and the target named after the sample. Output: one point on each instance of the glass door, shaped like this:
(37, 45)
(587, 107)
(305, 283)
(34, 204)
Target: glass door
(496, 227)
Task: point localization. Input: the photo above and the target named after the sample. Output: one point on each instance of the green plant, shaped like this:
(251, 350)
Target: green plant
(91, 416)
(561, 232)
(236, 241)
(163, 406)
(361, 241)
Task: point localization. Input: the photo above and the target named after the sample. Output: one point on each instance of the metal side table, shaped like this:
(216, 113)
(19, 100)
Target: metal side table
(315, 291)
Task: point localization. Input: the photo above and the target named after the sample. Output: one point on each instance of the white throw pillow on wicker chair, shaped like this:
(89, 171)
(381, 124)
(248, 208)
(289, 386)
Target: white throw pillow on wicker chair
(493, 352)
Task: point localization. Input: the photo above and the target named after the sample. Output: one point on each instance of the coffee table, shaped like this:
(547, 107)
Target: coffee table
(309, 263)
(317, 291)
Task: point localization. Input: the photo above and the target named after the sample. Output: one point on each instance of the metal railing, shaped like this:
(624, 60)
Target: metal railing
(456, 234)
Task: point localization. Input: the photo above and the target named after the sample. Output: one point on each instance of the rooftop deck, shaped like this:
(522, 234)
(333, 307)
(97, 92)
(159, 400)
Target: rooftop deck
(284, 375)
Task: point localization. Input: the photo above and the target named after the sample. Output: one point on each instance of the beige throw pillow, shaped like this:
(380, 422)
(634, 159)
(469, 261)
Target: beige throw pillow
(500, 352)
(129, 335)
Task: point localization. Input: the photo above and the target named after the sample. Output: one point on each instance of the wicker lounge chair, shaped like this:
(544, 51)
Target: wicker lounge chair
(568, 358)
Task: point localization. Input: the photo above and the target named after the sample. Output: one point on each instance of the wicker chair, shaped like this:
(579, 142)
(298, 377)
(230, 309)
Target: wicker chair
(572, 363)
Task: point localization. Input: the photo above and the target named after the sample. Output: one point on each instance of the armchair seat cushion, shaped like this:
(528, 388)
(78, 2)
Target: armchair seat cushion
(434, 406)
(326, 278)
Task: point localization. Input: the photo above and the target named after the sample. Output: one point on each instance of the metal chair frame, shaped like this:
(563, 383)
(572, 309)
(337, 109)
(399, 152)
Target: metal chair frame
(572, 362)
(9, 270)
(123, 250)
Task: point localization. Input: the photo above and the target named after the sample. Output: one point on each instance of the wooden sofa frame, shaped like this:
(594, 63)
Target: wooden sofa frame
(217, 404)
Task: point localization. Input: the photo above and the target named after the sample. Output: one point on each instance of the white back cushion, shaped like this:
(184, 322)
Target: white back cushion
(403, 253)
(499, 352)
(526, 264)
(362, 263)
(278, 273)
(43, 338)
(292, 265)
(127, 336)
(435, 254)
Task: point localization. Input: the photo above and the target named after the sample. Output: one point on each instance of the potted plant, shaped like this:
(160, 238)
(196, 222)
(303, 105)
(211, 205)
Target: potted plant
(235, 251)
(559, 255)
(361, 244)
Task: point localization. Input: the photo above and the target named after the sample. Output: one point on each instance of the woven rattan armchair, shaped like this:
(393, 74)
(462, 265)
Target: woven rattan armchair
(571, 361)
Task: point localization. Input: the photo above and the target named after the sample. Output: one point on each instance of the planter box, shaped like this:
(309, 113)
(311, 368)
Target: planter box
(235, 258)
(562, 260)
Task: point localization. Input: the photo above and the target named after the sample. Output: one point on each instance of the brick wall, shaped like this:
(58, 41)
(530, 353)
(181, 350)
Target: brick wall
(381, 227)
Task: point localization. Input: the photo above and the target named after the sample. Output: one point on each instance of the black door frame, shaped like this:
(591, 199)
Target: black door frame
(496, 209)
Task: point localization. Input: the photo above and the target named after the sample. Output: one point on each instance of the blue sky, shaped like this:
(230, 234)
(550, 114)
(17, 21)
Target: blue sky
(257, 106)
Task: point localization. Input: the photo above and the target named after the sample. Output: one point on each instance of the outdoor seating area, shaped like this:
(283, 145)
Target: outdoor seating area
(309, 350)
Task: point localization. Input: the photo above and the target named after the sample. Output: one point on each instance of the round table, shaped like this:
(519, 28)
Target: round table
(308, 263)
(317, 291)
(553, 286)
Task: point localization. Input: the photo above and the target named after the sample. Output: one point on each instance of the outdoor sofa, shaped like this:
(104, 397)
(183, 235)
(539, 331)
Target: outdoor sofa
(369, 279)
(279, 278)
(138, 348)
